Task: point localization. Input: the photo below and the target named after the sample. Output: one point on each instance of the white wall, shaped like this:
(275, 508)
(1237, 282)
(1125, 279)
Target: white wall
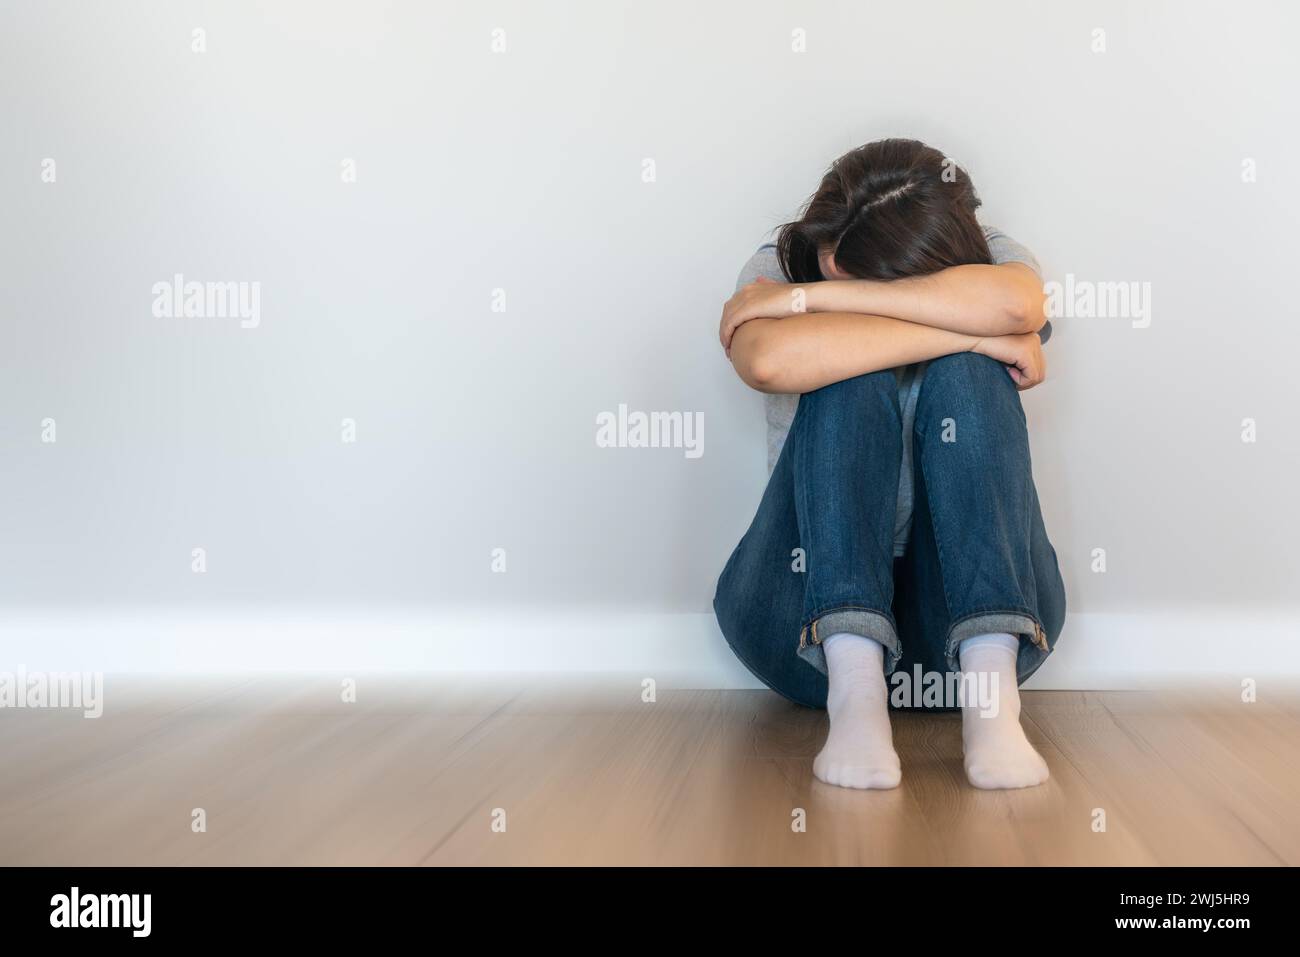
(522, 170)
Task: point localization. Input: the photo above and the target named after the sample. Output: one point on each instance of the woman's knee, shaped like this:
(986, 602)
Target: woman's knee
(970, 390)
(872, 385)
(963, 371)
(860, 401)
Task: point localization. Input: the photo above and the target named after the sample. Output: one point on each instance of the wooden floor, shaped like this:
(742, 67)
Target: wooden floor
(413, 772)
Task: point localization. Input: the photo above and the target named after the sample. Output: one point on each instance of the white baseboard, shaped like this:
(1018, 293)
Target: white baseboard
(1097, 651)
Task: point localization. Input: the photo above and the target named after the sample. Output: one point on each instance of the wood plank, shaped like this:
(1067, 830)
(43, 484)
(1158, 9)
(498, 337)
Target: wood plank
(588, 773)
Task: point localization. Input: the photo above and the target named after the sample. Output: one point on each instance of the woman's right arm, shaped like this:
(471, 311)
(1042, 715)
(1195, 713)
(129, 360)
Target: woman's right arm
(804, 352)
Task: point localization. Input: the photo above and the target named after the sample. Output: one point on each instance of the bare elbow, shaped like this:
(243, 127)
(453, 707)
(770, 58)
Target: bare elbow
(759, 373)
(1027, 312)
(757, 364)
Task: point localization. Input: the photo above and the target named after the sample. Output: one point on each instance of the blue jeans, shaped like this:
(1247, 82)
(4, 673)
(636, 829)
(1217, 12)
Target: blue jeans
(978, 559)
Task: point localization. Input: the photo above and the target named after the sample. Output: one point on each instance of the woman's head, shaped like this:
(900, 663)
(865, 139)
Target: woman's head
(890, 209)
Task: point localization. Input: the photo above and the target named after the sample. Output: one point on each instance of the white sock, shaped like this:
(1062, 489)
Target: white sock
(859, 751)
(998, 755)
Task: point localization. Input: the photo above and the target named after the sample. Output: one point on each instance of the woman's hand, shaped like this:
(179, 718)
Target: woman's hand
(763, 299)
(1021, 354)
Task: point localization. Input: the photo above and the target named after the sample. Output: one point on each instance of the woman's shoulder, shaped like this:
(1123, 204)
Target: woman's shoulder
(763, 264)
(1004, 249)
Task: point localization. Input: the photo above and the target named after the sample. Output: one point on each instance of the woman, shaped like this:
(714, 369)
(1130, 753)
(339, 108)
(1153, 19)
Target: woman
(900, 532)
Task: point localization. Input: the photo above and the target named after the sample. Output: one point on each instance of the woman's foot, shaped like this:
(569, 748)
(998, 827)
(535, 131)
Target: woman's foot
(859, 751)
(998, 755)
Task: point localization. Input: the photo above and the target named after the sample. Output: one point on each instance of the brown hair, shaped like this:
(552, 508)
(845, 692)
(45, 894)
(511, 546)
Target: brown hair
(889, 209)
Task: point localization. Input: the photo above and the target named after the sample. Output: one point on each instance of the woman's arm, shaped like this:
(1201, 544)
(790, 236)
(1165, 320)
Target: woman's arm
(977, 300)
(805, 352)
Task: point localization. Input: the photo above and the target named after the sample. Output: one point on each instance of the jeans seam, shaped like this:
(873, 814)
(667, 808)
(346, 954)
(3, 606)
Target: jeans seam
(812, 643)
(918, 432)
(979, 612)
(1039, 640)
(934, 528)
(823, 612)
(800, 469)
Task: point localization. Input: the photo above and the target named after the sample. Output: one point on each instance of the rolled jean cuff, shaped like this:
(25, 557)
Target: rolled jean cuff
(1033, 640)
(854, 621)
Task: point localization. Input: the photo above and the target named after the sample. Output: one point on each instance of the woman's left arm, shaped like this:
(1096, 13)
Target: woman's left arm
(975, 299)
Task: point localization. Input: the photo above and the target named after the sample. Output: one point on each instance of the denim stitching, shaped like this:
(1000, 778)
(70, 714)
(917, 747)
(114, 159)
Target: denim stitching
(797, 428)
(823, 612)
(919, 432)
(950, 652)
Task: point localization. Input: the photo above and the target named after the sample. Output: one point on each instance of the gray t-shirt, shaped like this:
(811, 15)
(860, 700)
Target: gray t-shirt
(781, 408)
